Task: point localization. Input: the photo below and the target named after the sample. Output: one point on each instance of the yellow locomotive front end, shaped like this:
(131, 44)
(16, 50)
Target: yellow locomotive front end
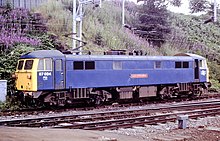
(26, 75)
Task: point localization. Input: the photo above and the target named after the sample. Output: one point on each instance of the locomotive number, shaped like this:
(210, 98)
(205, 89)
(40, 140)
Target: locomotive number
(44, 73)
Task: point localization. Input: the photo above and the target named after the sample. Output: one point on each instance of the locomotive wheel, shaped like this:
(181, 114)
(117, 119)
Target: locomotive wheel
(162, 96)
(98, 100)
(164, 93)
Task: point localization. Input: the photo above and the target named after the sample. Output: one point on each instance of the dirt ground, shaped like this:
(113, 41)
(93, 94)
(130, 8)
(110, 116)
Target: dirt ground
(43, 134)
(36, 134)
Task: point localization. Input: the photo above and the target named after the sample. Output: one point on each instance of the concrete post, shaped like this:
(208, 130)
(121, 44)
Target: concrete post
(182, 121)
(3, 90)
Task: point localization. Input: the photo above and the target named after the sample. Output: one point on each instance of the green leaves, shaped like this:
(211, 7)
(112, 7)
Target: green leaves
(8, 62)
(199, 5)
(175, 3)
(153, 22)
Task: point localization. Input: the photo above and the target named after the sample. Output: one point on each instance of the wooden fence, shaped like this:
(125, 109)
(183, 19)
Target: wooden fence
(28, 4)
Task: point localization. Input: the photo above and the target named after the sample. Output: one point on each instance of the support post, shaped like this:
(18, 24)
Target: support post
(78, 23)
(123, 13)
(80, 28)
(215, 11)
(74, 25)
(100, 3)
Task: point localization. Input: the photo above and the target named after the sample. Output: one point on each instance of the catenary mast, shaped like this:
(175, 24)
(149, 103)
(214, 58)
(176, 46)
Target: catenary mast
(78, 10)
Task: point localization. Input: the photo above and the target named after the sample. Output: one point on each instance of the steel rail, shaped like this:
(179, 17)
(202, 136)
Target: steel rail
(54, 120)
(29, 111)
(140, 121)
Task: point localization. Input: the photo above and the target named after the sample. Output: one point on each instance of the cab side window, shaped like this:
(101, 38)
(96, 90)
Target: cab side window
(45, 64)
(40, 64)
(48, 64)
(203, 64)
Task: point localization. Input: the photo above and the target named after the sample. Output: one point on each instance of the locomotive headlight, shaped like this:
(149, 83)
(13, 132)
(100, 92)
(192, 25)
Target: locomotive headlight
(14, 76)
(29, 76)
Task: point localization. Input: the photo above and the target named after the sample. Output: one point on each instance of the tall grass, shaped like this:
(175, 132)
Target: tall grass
(106, 23)
(59, 18)
(102, 27)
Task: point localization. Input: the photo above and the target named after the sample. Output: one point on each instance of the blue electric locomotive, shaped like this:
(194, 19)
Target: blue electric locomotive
(64, 78)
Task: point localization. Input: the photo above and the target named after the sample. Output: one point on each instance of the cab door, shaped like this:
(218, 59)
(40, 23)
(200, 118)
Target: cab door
(196, 70)
(59, 74)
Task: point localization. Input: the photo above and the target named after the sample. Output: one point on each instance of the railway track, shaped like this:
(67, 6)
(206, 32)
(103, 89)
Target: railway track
(120, 118)
(140, 121)
(44, 110)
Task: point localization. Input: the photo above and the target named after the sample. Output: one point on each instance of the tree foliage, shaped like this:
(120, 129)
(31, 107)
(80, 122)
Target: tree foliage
(153, 24)
(196, 6)
(172, 2)
(175, 2)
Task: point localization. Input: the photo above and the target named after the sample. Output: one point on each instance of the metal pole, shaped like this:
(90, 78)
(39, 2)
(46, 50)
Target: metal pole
(215, 11)
(78, 23)
(123, 12)
(74, 24)
(80, 27)
(100, 3)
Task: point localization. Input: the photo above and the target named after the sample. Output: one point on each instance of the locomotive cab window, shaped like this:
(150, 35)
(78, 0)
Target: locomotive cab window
(28, 64)
(202, 64)
(20, 65)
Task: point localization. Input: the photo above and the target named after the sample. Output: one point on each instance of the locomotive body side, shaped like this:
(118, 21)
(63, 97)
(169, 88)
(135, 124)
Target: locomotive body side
(117, 71)
(61, 78)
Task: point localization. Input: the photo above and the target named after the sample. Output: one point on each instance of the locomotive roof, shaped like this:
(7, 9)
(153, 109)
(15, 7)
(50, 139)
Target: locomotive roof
(43, 54)
(124, 57)
(58, 54)
(195, 56)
